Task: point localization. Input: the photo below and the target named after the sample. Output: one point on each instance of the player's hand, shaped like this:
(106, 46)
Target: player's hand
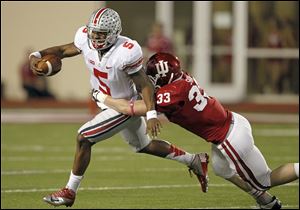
(33, 61)
(98, 96)
(153, 127)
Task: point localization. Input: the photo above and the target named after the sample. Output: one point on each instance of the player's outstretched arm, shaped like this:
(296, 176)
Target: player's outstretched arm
(132, 107)
(123, 106)
(62, 51)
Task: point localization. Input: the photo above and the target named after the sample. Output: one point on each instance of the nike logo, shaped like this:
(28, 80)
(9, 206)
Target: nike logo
(108, 67)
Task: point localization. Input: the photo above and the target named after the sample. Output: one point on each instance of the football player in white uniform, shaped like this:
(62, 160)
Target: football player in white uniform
(115, 67)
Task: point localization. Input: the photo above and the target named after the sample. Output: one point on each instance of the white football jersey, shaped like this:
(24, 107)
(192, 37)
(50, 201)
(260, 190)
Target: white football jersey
(110, 74)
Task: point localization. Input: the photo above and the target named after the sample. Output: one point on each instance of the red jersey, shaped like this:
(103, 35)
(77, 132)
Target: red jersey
(186, 104)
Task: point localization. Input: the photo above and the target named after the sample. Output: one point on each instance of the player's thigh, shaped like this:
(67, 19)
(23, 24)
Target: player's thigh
(240, 138)
(104, 125)
(244, 156)
(240, 145)
(220, 164)
(135, 134)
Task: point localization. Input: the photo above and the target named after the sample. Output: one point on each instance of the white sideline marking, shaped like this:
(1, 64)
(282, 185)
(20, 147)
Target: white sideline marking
(106, 158)
(276, 132)
(40, 148)
(240, 207)
(128, 188)
(64, 158)
(56, 171)
(59, 115)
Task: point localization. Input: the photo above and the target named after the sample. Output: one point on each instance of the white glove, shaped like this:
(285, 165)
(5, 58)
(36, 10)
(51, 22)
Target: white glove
(98, 96)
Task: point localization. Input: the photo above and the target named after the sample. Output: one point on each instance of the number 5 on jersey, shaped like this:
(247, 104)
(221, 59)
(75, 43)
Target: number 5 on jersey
(101, 76)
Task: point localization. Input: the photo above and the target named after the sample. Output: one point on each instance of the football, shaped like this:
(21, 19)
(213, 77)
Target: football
(50, 64)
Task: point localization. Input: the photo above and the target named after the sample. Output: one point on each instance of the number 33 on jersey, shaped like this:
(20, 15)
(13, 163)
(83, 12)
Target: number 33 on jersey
(186, 104)
(193, 94)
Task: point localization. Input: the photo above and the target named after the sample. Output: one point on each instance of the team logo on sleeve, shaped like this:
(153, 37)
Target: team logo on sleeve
(162, 68)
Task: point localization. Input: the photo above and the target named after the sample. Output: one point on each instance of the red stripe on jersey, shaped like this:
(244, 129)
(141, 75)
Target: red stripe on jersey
(134, 64)
(177, 151)
(105, 91)
(98, 15)
(105, 127)
(248, 170)
(102, 74)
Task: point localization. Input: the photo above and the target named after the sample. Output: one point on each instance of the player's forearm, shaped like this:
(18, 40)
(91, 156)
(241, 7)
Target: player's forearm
(61, 51)
(120, 105)
(148, 96)
(144, 85)
(126, 107)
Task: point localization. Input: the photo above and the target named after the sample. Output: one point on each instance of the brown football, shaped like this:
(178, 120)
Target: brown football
(50, 64)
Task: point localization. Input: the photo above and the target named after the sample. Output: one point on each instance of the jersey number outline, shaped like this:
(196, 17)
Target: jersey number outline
(100, 75)
(163, 97)
(201, 100)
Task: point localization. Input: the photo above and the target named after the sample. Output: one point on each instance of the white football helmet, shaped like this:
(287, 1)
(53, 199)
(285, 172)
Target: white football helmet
(106, 22)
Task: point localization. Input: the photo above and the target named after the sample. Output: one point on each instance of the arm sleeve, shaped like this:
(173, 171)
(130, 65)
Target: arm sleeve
(133, 58)
(80, 37)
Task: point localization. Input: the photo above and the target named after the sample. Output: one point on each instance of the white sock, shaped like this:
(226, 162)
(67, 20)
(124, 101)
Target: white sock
(262, 197)
(296, 167)
(180, 155)
(255, 193)
(74, 182)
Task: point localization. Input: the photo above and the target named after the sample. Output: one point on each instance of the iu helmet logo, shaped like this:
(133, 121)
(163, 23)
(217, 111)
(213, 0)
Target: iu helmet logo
(162, 68)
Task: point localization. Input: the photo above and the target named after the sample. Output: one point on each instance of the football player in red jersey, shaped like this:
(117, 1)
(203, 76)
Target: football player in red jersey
(234, 155)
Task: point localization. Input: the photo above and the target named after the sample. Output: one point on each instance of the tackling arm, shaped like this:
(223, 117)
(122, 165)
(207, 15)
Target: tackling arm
(132, 107)
(123, 106)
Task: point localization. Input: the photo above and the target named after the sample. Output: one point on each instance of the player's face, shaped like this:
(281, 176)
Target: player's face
(97, 39)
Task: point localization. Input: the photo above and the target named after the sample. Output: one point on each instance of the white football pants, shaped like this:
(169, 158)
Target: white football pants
(109, 122)
(238, 155)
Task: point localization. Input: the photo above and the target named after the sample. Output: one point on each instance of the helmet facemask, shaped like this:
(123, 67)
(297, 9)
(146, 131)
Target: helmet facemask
(96, 39)
(163, 69)
(154, 80)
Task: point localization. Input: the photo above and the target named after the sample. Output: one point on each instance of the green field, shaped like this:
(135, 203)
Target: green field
(37, 158)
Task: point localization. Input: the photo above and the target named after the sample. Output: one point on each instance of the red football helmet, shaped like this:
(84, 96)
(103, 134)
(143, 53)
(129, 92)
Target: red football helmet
(163, 68)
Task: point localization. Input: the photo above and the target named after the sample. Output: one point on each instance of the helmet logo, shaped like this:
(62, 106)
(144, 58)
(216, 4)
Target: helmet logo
(162, 68)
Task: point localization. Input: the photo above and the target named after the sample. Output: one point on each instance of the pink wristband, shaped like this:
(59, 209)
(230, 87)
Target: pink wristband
(131, 104)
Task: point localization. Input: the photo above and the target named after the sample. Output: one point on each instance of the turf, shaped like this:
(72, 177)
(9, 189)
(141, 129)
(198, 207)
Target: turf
(37, 158)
